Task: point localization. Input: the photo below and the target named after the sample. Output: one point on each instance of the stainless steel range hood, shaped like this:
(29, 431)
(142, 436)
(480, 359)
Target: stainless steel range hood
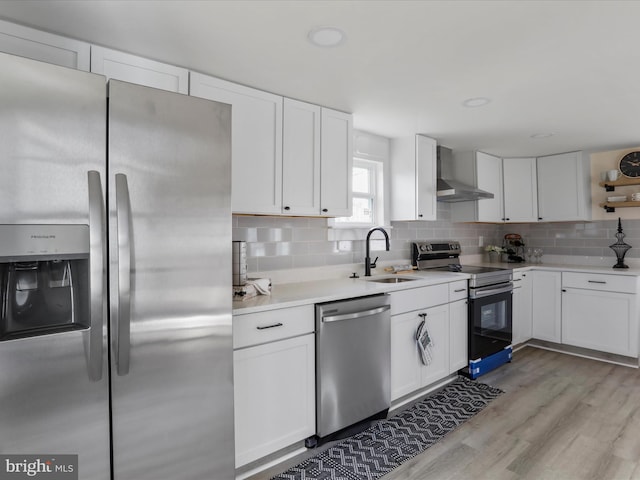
(451, 190)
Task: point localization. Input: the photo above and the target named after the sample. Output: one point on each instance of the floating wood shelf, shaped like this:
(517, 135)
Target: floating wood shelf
(611, 206)
(621, 182)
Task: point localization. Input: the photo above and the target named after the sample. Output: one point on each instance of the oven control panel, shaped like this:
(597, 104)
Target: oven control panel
(428, 251)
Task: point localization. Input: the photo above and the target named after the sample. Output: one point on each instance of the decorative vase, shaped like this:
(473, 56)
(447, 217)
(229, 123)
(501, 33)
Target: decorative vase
(493, 257)
(620, 247)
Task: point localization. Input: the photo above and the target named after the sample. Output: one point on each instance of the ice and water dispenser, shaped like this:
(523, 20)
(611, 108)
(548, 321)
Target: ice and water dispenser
(44, 275)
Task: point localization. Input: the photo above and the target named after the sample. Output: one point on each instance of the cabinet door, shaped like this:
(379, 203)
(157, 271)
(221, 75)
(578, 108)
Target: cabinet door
(603, 321)
(520, 190)
(522, 309)
(256, 142)
(426, 177)
(438, 324)
(274, 387)
(489, 178)
(142, 71)
(405, 360)
(458, 331)
(336, 152)
(402, 181)
(564, 191)
(413, 178)
(301, 159)
(44, 47)
(546, 305)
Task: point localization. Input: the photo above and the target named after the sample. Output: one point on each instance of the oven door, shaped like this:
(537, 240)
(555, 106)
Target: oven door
(490, 323)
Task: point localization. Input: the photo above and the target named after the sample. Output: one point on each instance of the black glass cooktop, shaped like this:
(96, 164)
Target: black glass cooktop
(470, 269)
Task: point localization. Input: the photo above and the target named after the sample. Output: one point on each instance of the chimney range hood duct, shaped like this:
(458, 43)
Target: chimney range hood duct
(450, 190)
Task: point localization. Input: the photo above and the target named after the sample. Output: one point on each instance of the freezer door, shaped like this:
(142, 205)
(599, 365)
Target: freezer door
(54, 387)
(170, 278)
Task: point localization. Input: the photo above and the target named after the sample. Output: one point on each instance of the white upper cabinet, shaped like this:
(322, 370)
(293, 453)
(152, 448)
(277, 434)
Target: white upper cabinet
(489, 178)
(142, 71)
(520, 190)
(45, 47)
(553, 188)
(317, 159)
(413, 178)
(336, 153)
(289, 157)
(256, 142)
(301, 158)
(483, 171)
(564, 191)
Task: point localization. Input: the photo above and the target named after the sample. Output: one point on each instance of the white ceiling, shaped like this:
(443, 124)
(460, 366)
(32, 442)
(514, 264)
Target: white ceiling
(571, 68)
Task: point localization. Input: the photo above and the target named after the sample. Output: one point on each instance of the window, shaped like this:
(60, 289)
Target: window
(367, 195)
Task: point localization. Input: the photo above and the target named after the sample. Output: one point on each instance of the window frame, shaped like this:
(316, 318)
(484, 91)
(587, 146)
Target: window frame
(376, 195)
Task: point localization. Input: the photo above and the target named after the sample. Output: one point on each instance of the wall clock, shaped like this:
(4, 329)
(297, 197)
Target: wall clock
(630, 165)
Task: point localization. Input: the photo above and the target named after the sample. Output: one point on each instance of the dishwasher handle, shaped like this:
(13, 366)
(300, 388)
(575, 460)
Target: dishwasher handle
(351, 316)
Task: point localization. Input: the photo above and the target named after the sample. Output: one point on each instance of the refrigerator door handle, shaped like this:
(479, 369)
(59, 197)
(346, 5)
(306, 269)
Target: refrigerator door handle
(97, 272)
(123, 207)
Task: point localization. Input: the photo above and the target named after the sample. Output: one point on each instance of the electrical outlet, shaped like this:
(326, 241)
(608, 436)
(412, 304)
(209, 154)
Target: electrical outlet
(481, 241)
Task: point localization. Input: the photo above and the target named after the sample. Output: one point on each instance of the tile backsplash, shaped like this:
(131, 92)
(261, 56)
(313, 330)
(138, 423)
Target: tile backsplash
(280, 243)
(590, 239)
(277, 243)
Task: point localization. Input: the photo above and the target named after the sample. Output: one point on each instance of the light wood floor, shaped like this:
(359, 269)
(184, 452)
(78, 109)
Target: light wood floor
(562, 417)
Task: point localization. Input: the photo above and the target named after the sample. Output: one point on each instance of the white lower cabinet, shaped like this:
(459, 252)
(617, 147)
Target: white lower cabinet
(546, 305)
(458, 335)
(522, 307)
(600, 312)
(274, 383)
(408, 373)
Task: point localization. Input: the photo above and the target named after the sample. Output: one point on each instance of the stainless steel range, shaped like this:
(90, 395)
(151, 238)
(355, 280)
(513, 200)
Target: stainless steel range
(490, 303)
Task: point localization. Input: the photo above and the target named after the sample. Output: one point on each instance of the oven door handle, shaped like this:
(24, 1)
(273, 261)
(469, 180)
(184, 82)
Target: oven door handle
(482, 292)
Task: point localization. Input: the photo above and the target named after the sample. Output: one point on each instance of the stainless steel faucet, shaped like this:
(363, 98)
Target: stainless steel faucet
(367, 259)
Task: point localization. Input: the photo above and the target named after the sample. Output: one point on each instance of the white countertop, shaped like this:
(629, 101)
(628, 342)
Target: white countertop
(317, 291)
(564, 267)
(304, 293)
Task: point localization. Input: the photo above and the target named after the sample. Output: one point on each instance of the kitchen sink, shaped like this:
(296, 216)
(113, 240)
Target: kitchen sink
(390, 279)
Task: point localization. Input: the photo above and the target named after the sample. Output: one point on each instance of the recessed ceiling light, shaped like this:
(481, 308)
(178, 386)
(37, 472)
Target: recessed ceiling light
(327, 37)
(476, 102)
(541, 135)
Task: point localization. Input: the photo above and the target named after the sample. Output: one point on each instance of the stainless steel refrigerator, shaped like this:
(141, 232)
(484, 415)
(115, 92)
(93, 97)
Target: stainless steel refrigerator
(115, 266)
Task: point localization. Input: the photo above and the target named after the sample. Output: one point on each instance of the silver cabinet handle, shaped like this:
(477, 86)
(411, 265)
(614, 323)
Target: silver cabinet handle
(270, 326)
(460, 290)
(351, 316)
(597, 281)
(480, 293)
(97, 272)
(123, 321)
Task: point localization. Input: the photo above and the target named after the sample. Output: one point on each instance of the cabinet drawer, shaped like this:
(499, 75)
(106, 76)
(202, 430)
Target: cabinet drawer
(417, 298)
(458, 290)
(599, 281)
(272, 325)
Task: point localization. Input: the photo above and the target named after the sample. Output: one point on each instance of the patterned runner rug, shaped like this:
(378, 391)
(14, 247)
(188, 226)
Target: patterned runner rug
(385, 445)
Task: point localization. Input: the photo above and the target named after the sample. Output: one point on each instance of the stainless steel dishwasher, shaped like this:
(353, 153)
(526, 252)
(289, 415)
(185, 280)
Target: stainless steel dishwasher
(353, 362)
